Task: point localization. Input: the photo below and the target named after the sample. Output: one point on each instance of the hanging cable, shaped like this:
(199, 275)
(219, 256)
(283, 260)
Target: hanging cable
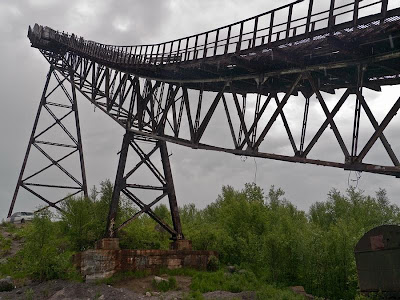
(356, 180)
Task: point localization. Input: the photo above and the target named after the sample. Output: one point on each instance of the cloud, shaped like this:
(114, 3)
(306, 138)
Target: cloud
(198, 175)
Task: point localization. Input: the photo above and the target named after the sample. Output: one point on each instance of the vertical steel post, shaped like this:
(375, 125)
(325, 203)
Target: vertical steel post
(331, 20)
(171, 190)
(309, 15)
(21, 174)
(78, 133)
(384, 8)
(118, 186)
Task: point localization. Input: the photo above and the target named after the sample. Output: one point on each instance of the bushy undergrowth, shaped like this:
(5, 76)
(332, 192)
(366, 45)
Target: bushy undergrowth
(45, 254)
(265, 234)
(220, 280)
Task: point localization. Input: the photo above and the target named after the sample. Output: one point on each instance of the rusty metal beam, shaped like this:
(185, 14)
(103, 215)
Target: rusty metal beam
(378, 132)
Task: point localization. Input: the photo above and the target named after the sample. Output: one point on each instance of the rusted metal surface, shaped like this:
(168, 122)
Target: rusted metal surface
(378, 260)
(170, 92)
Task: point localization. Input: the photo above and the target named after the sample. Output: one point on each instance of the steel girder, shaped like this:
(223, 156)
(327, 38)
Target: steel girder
(157, 110)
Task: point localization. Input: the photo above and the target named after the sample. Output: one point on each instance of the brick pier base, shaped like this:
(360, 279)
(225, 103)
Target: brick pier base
(107, 259)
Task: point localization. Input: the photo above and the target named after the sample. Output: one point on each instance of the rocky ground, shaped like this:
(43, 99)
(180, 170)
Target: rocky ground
(66, 290)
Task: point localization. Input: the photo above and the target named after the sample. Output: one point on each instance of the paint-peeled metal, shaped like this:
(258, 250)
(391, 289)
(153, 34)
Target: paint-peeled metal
(378, 260)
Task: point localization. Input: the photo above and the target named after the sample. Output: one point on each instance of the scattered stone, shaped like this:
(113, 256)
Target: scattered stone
(102, 297)
(158, 279)
(231, 269)
(6, 284)
(148, 294)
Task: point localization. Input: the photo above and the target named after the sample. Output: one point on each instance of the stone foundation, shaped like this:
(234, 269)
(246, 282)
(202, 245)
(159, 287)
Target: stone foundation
(103, 263)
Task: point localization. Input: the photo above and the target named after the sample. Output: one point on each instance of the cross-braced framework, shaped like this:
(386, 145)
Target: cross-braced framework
(252, 71)
(165, 188)
(157, 110)
(40, 138)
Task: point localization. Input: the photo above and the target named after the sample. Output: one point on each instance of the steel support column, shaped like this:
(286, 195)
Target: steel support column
(166, 188)
(170, 188)
(76, 145)
(119, 185)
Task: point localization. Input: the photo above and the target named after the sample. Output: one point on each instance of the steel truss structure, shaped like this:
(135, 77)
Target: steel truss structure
(170, 92)
(71, 109)
(164, 177)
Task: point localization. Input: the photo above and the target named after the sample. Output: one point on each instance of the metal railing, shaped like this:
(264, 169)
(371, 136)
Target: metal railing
(262, 30)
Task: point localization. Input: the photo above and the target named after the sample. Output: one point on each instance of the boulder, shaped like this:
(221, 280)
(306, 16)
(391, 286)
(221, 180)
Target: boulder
(158, 279)
(6, 284)
(231, 269)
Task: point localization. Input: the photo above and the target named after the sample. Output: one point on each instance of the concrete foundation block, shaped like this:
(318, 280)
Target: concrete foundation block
(181, 245)
(108, 244)
(101, 263)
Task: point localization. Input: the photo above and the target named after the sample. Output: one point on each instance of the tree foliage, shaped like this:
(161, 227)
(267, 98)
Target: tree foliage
(283, 245)
(261, 232)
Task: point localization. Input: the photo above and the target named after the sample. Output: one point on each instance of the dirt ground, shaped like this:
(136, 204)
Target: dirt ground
(16, 243)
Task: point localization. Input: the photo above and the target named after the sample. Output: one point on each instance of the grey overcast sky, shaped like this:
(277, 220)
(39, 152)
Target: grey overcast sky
(198, 175)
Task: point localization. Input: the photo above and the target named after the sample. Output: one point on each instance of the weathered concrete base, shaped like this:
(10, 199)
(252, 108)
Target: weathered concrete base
(103, 263)
(108, 244)
(181, 245)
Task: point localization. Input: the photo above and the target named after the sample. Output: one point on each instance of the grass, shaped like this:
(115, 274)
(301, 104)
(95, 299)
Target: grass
(270, 292)
(194, 295)
(5, 246)
(203, 282)
(221, 281)
(165, 285)
(9, 227)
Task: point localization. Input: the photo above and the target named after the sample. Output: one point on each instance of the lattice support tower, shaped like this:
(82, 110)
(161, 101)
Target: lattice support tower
(70, 108)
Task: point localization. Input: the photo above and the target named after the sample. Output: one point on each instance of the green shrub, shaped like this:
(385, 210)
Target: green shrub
(165, 285)
(216, 281)
(194, 295)
(45, 254)
(213, 263)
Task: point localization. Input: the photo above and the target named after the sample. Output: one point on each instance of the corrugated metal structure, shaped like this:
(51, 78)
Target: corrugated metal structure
(378, 261)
